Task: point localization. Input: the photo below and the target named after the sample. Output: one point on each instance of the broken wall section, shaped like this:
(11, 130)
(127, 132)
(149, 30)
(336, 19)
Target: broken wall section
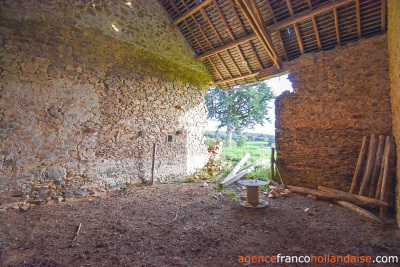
(340, 96)
(82, 104)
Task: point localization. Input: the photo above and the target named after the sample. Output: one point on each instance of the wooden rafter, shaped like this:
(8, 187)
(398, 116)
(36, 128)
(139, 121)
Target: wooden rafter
(202, 32)
(243, 59)
(234, 63)
(236, 78)
(224, 20)
(297, 30)
(283, 46)
(194, 36)
(289, 5)
(309, 4)
(225, 66)
(336, 25)
(271, 11)
(227, 46)
(255, 55)
(358, 18)
(284, 23)
(383, 15)
(253, 16)
(232, 5)
(316, 33)
(215, 67)
(191, 12)
(203, 13)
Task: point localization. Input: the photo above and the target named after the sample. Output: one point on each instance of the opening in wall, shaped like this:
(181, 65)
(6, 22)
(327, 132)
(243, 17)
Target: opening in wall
(170, 138)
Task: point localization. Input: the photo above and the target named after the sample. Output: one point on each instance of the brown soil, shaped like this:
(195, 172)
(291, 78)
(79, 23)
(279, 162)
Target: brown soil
(120, 230)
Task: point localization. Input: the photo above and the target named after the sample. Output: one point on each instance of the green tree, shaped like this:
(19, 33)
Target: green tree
(239, 109)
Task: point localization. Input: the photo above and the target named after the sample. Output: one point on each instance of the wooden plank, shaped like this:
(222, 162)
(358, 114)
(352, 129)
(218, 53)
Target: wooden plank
(383, 15)
(236, 78)
(377, 166)
(296, 28)
(236, 168)
(336, 25)
(373, 145)
(191, 12)
(388, 176)
(360, 165)
(363, 199)
(242, 173)
(316, 32)
(337, 196)
(284, 23)
(358, 210)
(358, 18)
(385, 155)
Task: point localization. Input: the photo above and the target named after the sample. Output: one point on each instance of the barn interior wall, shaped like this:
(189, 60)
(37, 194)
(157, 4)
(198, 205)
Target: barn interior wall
(394, 62)
(340, 96)
(85, 91)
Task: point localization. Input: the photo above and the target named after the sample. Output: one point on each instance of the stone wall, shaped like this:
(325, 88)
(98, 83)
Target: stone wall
(81, 103)
(340, 96)
(394, 63)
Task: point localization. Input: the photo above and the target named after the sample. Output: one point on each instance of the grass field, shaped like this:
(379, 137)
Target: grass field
(233, 155)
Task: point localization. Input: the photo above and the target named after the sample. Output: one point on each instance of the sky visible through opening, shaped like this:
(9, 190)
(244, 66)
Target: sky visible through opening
(278, 86)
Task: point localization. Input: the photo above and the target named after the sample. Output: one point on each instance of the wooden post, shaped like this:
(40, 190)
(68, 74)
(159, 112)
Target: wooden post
(388, 172)
(373, 146)
(377, 166)
(153, 164)
(385, 157)
(360, 165)
(272, 163)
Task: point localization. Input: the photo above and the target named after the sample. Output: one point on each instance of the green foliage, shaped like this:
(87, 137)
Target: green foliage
(232, 195)
(210, 141)
(230, 144)
(241, 108)
(241, 142)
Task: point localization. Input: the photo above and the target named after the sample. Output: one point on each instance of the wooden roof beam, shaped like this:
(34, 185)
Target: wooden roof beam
(316, 33)
(236, 78)
(358, 18)
(225, 66)
(309, 4)
(191, 12)
(255, 55)
(336, 25)
(224, 20)
(297, 30)
(284, 23)
(289, 5)
(203, 13)
(244, 61)
(252, 14)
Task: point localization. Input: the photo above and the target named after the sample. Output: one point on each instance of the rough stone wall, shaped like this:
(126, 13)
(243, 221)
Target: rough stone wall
(340, 96)
(82, 104)
(394, 66)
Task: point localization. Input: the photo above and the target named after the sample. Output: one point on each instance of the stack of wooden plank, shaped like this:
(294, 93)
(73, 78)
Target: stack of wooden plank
(375, 171)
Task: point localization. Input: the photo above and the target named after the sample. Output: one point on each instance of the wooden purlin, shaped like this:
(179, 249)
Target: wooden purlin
(236, 78)
(255, 55)
(284, 23)
(253, 16)
(191, 12)
(336, 25)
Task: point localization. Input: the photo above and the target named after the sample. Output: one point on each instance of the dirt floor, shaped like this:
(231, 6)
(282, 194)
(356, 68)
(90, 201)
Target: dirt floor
(121, 230)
